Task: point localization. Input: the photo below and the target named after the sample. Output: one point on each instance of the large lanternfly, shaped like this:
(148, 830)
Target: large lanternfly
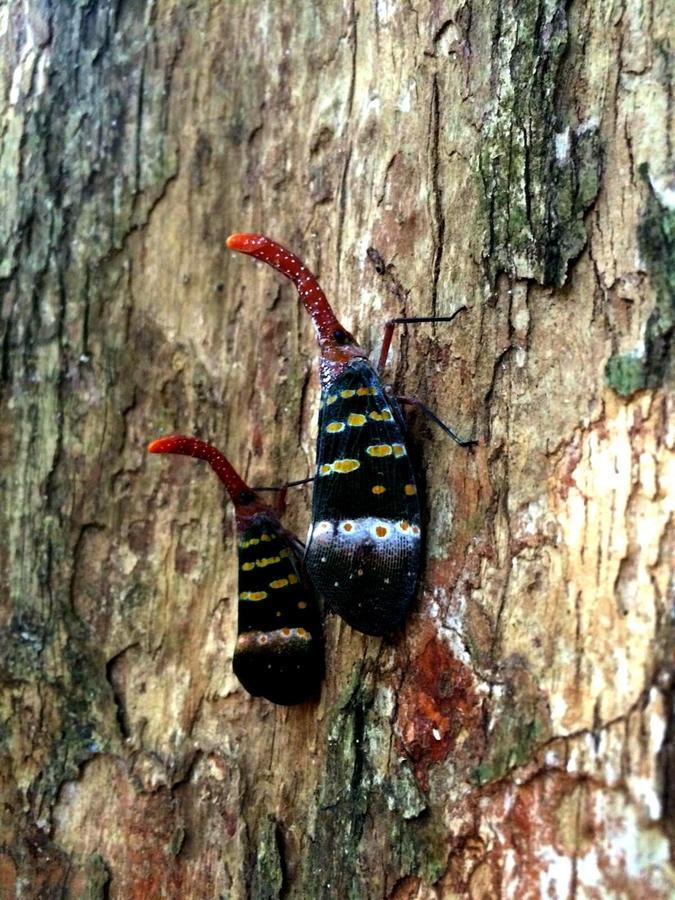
(279, 652)
(364, 546)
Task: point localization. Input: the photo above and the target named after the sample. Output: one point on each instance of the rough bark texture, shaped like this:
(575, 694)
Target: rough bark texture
(518, 739)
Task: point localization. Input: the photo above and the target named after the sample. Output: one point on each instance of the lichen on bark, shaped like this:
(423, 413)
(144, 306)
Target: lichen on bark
(540, 170)
(651, 364)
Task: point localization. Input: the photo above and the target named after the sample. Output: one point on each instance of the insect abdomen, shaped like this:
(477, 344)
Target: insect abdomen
(363, 554)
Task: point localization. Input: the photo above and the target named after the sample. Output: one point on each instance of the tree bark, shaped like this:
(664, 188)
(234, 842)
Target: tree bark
(517, 739)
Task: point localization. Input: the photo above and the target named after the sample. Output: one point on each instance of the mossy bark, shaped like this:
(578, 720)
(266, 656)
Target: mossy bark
(517, 738)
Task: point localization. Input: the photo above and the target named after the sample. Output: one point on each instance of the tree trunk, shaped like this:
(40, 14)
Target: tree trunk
(517, 739)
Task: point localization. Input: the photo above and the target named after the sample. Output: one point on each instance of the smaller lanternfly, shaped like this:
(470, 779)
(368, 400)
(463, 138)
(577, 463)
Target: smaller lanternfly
(279, 653)
(364, 546)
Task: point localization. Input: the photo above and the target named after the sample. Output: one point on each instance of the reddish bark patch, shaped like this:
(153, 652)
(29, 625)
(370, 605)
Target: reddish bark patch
(408, 888)
(541, 823)
(8, 876)
(569, 460)
(141, 539)
(467, 856)
(48, 868)
(186, 560)
(438, 703)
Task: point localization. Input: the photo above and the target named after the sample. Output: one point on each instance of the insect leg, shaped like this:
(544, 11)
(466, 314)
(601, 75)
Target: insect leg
(283, 487)
(413, 401)
(406, 320)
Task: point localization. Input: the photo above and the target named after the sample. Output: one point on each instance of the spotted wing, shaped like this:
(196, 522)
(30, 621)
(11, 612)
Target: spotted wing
(364, 548)
(362, 466)
(279, 645)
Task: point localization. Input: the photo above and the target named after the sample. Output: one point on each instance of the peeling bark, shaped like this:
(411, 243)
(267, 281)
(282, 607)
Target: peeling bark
(516, 739)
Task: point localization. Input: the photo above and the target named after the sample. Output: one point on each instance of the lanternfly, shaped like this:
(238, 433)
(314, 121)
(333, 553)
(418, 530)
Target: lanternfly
(364, 546)
(278, 654)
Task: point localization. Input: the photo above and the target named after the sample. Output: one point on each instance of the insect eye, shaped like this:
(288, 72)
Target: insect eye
(340, 336)
(246, 497)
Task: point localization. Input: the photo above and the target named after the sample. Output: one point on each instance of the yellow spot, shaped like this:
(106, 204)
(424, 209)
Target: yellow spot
(331, 398)
(384, 416)
(243, 545)
(253, 595)
(279, 583)
(301, 633)
(356, 420)
(345, 465)
(284, 554)
(267, 561)
(248, 566)
(265, 537)
(399, 449)
(381, 531)
(253, 542)
(378, 489)
(347, 394)
(285, 631)
(325, 469)
(366, 392)
(379, 450)
(302, 605)
(410, 490)
(334, 427)
(292, 579)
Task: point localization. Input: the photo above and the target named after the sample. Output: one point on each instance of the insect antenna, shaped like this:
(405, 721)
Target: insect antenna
(406, 320)
(283, 487)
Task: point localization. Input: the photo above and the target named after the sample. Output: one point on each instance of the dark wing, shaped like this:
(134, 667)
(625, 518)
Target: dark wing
(279, 650)
(363, 469)
(273, 592)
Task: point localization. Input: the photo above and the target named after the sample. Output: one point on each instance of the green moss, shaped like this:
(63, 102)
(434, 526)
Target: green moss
(85, 705)
(653, 365)
(511, 744)
(343, 802)
(423, 849)
(626, 374)
(97, 878)
(370, 807)
(268, 875)
(405, 797)
(475, 523)
(539, 174)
